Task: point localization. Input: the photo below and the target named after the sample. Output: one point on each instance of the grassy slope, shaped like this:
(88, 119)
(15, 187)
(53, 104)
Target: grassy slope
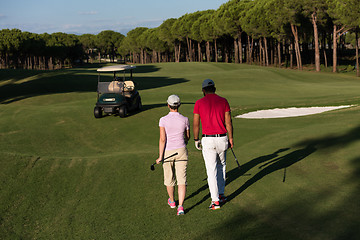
(67, 175)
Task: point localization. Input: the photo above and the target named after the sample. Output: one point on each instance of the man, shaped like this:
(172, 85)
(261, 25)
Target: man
(174, 135)
(217, 133)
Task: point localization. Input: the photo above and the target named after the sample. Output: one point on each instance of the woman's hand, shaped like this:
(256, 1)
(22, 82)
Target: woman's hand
(158, 161)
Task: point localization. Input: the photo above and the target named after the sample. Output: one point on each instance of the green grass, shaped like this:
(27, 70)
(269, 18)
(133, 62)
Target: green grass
(66, 175)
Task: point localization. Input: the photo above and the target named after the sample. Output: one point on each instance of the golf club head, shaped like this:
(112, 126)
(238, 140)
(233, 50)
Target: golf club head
(152, 167)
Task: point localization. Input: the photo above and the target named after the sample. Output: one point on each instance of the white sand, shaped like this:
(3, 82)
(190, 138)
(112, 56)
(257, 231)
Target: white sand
(288, 112)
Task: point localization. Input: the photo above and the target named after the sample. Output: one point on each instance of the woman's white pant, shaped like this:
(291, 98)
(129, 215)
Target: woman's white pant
(214, 154)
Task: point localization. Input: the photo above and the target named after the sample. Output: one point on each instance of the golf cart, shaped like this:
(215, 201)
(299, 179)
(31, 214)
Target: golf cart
(118, 95)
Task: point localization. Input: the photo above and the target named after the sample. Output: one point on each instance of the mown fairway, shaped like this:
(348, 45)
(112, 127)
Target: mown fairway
(66, 175)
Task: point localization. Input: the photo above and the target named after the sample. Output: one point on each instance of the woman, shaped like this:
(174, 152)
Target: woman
(174, 135)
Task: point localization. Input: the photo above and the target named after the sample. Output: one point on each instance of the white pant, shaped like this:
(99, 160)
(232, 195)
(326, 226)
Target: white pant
(214, 153)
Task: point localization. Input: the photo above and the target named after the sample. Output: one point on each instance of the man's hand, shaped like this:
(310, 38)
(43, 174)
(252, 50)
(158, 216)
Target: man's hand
(198, 145)
(231, 143)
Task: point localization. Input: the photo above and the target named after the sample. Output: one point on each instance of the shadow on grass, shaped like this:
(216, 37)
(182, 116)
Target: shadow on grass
(274, 165)
(234, 174)
(299, 215)
(91, 68)
(272, 162)
(15, 88)
(147, 107)
(308, 147)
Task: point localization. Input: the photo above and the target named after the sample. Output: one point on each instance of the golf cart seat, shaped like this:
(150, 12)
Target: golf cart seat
(129, 86)
(110, 87)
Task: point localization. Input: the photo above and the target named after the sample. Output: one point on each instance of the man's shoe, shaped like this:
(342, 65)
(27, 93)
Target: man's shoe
(222, 199)
(214, 205)
(171, 204)
(180, 210)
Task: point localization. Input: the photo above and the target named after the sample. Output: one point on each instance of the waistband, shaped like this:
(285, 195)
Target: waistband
(215, 135)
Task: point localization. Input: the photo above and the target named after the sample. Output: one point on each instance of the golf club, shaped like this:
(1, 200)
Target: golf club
(284, 175)
(235, 157)
(153, 165)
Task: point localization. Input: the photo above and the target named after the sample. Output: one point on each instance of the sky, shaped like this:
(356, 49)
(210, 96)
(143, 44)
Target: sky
(94, 16)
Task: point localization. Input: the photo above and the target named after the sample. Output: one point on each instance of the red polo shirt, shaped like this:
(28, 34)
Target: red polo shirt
(211, 109)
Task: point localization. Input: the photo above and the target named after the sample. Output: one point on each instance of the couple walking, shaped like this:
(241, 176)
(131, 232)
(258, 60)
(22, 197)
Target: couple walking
(214, 114)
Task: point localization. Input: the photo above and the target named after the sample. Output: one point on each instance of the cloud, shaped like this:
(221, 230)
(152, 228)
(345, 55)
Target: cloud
(2, 16)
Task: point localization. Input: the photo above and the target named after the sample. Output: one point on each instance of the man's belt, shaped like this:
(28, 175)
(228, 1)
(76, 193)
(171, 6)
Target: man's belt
(215, 135)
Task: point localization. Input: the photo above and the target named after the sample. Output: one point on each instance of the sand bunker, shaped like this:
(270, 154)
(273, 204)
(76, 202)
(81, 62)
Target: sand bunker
(288, 112)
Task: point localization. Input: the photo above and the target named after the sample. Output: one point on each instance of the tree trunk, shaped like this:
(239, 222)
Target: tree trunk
(208, 51)
(279, 53)
(199, 52)
(142, 57)
(189, 42)
(271, 52)
(248, 50)
(316, 39)
(291, 54)
(297, 47)
(175, 52)
(335, 38)
(260, 56)
(266, 52)
(251, 47)
(240, 48)
(357, 43)
(216, 51)
(224, 52)
(236, 50)
(324, 51)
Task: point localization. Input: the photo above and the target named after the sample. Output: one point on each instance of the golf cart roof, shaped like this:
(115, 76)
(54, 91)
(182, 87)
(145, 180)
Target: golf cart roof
(115, 68)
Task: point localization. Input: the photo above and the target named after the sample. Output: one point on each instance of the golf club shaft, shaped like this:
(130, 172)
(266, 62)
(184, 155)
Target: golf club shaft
(235, 157)
(166, 158)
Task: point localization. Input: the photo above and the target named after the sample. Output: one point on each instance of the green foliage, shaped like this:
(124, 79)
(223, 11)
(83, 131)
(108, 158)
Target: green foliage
(165, 33)
(108, 41)
(345, 13)
(207, 28)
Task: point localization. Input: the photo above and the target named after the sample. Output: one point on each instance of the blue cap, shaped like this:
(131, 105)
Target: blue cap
(208, 83)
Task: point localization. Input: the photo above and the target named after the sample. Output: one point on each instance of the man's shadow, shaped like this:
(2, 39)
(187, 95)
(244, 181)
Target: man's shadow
(234, 174)
(307, 148)
(274, 165)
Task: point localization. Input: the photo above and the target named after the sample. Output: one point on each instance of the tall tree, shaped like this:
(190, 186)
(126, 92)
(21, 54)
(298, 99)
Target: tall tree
(165, 34)
(317, 12)
(207, 31)
(88, 42)
(183, 30)
(135, 47)
(195, 34)
(228, 23)
(258, 26)
(108, 41)
(157, 46)
(10, 42)
(341, 12)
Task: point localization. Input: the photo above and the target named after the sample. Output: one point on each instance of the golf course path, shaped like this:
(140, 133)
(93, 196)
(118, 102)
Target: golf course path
(288, 112)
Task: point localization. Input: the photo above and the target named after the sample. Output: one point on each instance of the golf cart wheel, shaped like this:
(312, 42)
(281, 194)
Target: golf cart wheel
(139, 107)
(97, 112)
(122, 111)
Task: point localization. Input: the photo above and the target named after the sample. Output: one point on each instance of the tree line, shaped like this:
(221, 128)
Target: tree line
(53, 51)
(266, 32)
